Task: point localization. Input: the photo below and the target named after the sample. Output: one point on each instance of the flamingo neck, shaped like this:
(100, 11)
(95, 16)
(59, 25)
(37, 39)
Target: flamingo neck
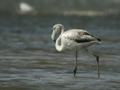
(59, 44)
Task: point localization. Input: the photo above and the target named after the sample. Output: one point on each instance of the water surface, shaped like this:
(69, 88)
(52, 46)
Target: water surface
(29, 61)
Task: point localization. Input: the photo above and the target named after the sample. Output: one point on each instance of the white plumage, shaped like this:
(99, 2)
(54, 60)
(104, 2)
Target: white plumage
(73, 39)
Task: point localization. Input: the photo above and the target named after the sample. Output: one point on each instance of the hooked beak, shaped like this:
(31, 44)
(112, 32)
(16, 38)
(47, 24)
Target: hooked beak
(53, 37)
(54, 40)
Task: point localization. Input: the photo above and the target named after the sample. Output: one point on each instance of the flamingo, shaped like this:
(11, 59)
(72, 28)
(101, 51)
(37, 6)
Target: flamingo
(74, 39)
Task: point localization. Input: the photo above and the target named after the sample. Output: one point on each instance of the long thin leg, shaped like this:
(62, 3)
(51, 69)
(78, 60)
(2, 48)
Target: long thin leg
(98, 68)
(75, 69)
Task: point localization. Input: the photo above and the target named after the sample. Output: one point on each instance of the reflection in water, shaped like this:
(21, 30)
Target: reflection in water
(28, 59)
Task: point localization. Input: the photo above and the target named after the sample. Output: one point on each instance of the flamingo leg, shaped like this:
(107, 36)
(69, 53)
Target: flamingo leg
(98, 66)
(75, 69)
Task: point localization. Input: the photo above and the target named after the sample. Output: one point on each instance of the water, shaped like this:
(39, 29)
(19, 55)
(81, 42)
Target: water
(29, 61)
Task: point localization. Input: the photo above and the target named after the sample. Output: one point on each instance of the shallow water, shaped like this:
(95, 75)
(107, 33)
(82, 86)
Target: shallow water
(29, 61)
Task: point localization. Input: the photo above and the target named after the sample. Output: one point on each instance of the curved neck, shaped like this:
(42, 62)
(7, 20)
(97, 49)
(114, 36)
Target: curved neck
(59, 44)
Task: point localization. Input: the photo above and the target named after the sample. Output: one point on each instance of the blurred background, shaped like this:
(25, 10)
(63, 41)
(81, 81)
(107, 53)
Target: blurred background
(29, 60)
(67, 7)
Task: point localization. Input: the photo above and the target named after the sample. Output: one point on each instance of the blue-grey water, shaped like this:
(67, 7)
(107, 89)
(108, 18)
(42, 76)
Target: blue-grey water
(29, 61)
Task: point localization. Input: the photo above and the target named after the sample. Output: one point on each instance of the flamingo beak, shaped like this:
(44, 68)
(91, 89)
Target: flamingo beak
(53, 36)
(54, 40)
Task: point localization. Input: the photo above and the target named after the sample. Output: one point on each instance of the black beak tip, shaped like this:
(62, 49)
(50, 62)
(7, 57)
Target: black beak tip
(54, 41)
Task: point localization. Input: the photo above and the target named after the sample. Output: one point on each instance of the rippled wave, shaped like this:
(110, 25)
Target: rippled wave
(28, 59)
